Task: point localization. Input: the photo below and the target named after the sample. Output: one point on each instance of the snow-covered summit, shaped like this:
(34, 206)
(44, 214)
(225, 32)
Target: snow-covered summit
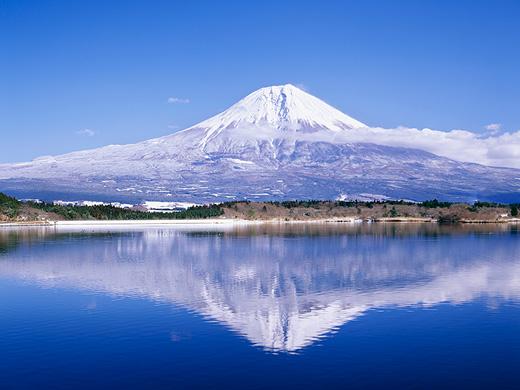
(284, 107)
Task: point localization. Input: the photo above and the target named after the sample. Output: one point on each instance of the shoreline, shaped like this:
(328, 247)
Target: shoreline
(122, 222)
(228, 222)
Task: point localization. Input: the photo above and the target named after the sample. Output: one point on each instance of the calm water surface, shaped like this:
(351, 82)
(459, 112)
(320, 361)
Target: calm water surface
(407, 306)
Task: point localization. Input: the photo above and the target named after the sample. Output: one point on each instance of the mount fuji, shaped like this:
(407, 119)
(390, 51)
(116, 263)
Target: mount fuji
(277, 143)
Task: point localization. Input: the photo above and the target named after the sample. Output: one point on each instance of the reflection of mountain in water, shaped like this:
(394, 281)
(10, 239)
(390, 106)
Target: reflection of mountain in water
(282, 288)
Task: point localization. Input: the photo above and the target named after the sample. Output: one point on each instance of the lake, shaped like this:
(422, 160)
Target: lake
(357, 306)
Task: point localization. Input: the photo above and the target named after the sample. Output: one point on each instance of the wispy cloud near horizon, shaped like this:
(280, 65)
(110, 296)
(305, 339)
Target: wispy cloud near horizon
(177, 100)
(303, 87)
(493, 126)
(88, 132)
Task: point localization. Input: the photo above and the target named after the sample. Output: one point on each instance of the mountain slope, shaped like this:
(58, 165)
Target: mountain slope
(277, 143)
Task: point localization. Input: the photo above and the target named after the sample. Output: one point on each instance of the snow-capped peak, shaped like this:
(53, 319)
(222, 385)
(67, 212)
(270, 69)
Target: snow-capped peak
(284, 107)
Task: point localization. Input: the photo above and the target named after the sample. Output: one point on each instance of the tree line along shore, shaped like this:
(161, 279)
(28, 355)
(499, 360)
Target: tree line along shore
(14, 210)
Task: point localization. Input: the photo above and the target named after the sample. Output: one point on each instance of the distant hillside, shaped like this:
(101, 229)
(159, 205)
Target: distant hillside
(370, 211)
(12, 209)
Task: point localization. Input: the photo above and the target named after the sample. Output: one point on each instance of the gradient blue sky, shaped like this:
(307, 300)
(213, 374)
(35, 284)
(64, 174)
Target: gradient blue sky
(111, 66)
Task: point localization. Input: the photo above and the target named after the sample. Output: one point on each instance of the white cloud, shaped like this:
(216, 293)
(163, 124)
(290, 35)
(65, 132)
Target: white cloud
(177, 100)
(494, 126)
(460, 145)
(303, 87)
(88, 132)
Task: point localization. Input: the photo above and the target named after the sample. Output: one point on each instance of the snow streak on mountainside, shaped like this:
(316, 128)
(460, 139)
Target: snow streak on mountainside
(277, 143)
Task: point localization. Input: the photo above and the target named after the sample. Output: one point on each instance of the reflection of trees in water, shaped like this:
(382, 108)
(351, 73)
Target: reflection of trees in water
(318, 229)
(13, 237)
(29, 234)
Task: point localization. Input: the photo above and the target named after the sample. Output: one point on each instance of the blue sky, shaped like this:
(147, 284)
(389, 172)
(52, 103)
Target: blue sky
(84, 74)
